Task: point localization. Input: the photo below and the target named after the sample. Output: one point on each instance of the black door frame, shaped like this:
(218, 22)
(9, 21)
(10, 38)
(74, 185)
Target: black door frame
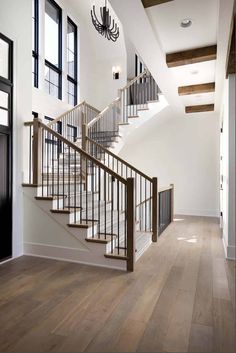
(7, 86)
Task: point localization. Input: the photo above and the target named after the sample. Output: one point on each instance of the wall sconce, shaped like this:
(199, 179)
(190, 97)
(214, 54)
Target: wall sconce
(116, 72)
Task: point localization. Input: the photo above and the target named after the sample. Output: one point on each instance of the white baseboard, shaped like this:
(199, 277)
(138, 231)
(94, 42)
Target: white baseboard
(198, 213)
(230, 251)
(72, 255)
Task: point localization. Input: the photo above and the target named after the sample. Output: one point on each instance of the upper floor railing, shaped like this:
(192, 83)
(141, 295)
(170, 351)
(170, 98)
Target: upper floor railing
(132, 98)
(70, 123)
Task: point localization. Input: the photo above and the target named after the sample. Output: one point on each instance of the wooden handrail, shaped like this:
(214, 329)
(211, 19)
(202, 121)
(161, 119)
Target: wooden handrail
(100, 115)
(83, 153)
(28, 123)
(91, 107)
(67, 112)
(71, 110)
(119, 159)
(135, 79)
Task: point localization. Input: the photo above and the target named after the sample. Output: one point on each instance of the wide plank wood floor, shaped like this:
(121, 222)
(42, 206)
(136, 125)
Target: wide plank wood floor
(181, 298)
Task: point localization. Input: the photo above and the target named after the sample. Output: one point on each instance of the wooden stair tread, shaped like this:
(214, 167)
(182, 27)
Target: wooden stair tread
(66, 210)
(100, 239)
(117, 256)
(49, 198)
(82, 225)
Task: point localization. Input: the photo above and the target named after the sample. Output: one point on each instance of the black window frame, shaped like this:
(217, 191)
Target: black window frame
(58, 143)
(73, 80)
(35, 50)
(50, 65)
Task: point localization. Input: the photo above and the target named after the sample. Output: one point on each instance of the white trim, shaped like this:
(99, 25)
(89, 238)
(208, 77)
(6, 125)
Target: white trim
(71, 255)
(200, 213)
(230, 251)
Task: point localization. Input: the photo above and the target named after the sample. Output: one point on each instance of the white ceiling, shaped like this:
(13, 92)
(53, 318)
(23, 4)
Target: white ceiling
(194, 74)
(203, 98)
(165, 20)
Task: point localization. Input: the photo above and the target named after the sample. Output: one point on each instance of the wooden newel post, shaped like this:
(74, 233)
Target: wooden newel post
(172, 202)
(155, 209)
(37, 152)
(130, 225)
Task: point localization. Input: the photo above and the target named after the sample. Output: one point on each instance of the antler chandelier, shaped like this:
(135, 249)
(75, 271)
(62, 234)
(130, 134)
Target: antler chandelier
(107, 27)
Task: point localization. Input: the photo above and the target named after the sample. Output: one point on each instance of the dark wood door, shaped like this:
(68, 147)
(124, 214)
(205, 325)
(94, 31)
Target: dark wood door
(6, 88)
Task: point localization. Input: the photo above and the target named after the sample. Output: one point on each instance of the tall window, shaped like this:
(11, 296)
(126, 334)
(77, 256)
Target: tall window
(35, 42)
(53, 49)
(72, 62)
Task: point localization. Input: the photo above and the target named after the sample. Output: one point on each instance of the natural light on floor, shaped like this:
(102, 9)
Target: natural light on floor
(192, 239)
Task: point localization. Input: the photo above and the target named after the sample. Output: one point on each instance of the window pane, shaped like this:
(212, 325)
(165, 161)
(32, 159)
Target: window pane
(52, 82)
(4, 56)
(71, 91)
(54, 77)
(54, 91)
(71, 49)
(71, 37)
(3, 99)
(46, 85)
(52, 18)
(71, 99)
(3, 117)
(71, 64)
(71, 88)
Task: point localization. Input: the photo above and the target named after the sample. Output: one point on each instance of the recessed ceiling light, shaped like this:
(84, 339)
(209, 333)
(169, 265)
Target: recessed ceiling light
(186, 23)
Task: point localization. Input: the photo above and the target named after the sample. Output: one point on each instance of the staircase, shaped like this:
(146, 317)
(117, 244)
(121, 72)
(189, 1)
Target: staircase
(106, 203)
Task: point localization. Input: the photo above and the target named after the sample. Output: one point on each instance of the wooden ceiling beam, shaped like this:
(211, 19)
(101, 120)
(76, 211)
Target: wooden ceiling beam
(192, 56)
(200, 108)
(150, 3)
(196, 89)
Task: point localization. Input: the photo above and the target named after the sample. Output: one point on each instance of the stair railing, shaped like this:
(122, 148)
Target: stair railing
(132, 98)
(137, 94)
(99, 197)
(70, 123)
(145, 187)
(105, 125)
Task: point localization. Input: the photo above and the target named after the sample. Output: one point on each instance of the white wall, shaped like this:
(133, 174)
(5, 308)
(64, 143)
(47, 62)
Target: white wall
(184, 151)
(228, 168)
(15, 23)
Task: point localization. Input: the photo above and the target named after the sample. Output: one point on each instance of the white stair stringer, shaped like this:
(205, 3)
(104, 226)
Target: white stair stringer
(48, 235)
(135, 122)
